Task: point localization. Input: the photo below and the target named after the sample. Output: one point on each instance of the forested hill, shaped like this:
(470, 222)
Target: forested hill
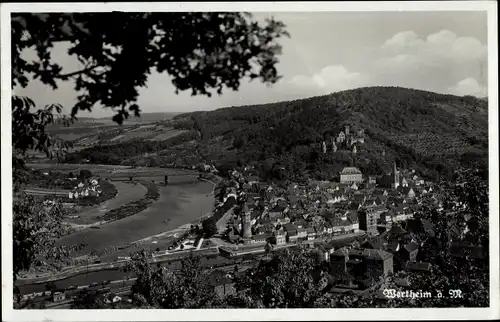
(433, 133)
(414, 127)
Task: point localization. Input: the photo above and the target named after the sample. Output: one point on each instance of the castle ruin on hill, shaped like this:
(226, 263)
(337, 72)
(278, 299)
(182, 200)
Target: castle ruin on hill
(345, 140)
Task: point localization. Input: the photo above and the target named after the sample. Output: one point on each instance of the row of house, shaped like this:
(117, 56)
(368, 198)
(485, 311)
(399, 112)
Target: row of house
(292, 213)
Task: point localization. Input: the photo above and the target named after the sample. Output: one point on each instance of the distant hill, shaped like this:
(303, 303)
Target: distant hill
(416, 128)
(152, 117)
(88, 126)
(432, 133)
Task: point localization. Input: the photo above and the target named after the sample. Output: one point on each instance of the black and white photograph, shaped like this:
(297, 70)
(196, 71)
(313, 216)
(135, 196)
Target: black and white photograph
(231, 159)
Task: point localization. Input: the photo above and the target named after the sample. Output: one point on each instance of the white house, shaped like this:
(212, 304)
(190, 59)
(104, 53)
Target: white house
(113, 298)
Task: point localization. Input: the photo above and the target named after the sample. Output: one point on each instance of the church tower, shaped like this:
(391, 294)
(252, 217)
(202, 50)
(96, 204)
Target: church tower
(246, 223)
(395, 176)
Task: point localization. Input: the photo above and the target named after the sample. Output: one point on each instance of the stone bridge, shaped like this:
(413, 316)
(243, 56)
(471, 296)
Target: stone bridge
(159, 176)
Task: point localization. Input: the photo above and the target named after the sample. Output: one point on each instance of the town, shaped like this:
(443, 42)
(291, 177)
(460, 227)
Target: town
(362, 227)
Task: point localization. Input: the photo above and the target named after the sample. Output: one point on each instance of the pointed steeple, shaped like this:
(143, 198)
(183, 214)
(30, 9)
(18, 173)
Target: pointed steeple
(395, 176)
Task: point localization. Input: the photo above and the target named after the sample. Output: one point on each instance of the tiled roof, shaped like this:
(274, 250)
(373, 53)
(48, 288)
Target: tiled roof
(419, 267)
(398, 230)
(345, 223)
(377, 254)
(374, 243)
(350, 170)
(366, 253)
(411, 247)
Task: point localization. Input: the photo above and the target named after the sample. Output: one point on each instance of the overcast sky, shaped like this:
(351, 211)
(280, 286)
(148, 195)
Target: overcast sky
(443, 52)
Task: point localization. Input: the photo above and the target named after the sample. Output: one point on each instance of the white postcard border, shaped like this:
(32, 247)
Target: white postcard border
(8, 314)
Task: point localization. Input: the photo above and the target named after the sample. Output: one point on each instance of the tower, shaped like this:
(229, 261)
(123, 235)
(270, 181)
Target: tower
(324, 147)
(247, 225)
(346, 130)
(395, 176)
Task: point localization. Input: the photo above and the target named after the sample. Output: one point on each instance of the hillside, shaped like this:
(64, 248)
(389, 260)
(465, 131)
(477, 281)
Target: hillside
(433, 133)
(95, 132)
(153, 117)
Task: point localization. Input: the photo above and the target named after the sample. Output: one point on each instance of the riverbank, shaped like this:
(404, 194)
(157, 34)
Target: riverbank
(179, 231)
(178, 205)
(184, 203)
(127, 192)
(70, 272)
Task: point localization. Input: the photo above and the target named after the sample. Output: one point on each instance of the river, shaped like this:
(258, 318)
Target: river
(179, 204)
(118, 274)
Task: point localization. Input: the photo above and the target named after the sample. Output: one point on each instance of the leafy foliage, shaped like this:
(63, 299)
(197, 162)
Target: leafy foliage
(54, 180)
(209, 227)
(36, 227)
(28, 128)
(31, 235)
(286, 281)
(214, 51)
(158, 287)
(88, 299)
(466, 272)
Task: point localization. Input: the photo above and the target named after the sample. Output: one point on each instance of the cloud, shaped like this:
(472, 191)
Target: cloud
(330, 79)
(468, 86)
(443, 45)
(403, 41)
(438, 62)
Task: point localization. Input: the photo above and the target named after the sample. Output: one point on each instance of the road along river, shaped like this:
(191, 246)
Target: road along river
(120, 274)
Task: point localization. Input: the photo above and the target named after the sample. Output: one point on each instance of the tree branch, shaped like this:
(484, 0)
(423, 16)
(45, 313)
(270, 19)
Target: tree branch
(85, 70)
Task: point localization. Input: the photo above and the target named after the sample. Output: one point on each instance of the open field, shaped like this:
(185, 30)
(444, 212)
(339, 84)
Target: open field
(178, 205)
(167, 134)
(67, 167)
(113, 171)
(132, 135)
(87, 134)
